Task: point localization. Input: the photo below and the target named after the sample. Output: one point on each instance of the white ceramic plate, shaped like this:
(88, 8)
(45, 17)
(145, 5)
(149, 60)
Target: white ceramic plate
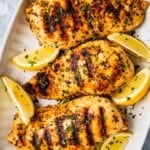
(19, 38)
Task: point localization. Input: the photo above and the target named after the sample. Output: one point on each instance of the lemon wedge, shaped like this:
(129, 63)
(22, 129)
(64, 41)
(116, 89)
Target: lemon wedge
(134, 90)
(37, 59)
(117, 141)
(20, 98)
(132, 45)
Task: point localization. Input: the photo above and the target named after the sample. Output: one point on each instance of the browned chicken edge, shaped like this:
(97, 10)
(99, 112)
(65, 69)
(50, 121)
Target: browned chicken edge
(78, 124)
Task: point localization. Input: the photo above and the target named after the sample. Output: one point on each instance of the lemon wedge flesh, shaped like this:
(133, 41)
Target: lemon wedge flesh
(37, 59)
(20, 98)
(134, 90)
(117, 141)
(133, 45)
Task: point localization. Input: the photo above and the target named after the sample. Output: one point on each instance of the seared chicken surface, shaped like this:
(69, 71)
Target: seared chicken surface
(68, 23)
(97, 67)
(76, 125)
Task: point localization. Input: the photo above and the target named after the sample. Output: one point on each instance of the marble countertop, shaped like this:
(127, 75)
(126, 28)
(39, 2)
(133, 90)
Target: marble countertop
(7, 8)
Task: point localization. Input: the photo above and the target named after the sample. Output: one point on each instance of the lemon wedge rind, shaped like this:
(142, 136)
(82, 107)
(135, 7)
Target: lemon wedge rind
(117, 141)
(134, 90)
(37, 59)
(20, 98)
(132, 45)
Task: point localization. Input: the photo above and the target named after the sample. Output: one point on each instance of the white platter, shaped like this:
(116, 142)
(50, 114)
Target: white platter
(18, 38)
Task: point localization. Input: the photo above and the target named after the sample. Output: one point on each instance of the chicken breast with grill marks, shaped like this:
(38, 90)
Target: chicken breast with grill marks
(76, 125)
(97, 67)
(68, 23)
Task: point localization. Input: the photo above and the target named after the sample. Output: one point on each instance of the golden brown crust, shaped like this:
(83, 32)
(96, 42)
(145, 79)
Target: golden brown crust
(68, 23)
(97, 67)
(78, 124)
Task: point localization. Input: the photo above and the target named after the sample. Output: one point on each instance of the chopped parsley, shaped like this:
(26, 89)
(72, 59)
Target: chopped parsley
(132, 88)
(67, 69)
(90, 19)
(128, 98)
(70, 117)
(64, 141)
(118, 1)
(32, 62)
(94, 37)
(70, 129)
(61, 11)
(85, 7)
(26, 56)
(64, 92)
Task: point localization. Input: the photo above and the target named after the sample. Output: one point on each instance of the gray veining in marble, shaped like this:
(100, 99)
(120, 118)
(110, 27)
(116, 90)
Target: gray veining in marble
(7, 8)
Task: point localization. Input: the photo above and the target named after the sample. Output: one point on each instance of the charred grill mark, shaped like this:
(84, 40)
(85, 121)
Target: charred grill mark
(43, 82)
(115, 11)
(102, 122)
(47, 137)
(74, 68)
(29, 88)
(56, 19)
(62, 52)
(75, 131)
(60, 131)
(87, 121)
(36, 141)
(22, 138)
(61, 13)
(49, 21)
(56, 67)
(88, 14)
(74, 62)
(88, 60)
(63, 34)
(73, 13)
(115, 118)
(109, 9)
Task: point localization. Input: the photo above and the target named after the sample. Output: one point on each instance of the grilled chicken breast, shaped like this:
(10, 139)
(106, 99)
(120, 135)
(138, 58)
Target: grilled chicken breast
(97, 67)
(75, 125)
(67, 23)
